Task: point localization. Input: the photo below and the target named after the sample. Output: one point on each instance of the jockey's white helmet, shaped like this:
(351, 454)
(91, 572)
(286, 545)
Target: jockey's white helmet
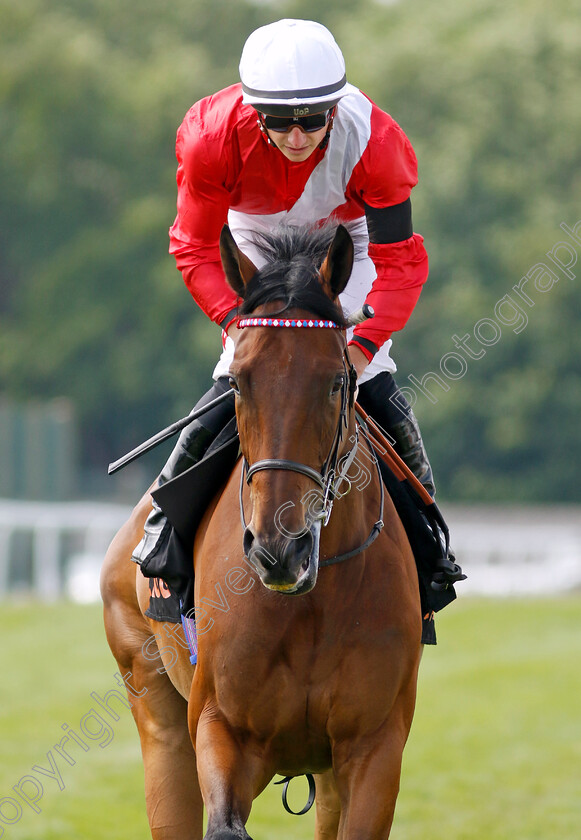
(292, 67)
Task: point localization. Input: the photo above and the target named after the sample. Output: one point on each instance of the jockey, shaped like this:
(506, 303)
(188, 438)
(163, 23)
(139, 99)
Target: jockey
(295, 143)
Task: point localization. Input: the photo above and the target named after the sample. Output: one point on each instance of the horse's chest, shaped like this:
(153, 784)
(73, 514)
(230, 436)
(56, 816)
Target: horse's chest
(279, 709)
(279, 684)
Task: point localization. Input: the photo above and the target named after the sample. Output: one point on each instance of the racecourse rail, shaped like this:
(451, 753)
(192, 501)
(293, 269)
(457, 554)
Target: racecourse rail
(50, 550)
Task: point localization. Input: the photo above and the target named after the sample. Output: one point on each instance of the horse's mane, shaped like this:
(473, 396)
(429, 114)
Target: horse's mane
(294, 256)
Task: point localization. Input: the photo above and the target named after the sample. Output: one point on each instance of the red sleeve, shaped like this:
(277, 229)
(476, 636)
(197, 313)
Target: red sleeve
(402, 269)
(202, 209)
(385, 176)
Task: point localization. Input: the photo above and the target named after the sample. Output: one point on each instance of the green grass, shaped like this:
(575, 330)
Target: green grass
(494, 754)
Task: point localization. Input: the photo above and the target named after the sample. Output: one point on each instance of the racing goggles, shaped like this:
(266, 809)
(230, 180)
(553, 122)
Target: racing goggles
(308, 123)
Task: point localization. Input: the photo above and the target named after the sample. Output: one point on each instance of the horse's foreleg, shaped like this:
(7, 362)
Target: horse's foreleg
(172, 794)
(328, 807)
(230, 778)
(368, 771)
(173, 800)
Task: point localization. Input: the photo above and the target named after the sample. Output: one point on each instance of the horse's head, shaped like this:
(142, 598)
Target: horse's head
(293, 388)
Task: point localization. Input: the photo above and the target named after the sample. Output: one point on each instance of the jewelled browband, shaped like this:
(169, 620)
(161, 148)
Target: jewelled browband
(287, 322)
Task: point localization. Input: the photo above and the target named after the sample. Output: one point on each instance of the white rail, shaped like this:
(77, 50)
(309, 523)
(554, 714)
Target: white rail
(504, 550)
(55, 533)
(510, 550)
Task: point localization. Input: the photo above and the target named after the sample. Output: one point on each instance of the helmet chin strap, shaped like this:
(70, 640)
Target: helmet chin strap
(324, 142)
(264, 130)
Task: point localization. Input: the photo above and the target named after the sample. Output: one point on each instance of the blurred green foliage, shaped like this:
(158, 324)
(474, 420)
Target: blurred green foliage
(92, 308)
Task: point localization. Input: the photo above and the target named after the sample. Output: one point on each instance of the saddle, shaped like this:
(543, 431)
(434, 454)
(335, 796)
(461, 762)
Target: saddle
(185, 498)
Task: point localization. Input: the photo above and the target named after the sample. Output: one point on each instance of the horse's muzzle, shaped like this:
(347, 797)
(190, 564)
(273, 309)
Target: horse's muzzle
(284, 565)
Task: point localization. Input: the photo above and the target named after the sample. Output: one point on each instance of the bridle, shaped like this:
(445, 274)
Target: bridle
(328, 477)
(324, 478)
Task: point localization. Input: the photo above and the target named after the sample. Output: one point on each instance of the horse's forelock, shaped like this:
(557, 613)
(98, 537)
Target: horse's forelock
(291, 274)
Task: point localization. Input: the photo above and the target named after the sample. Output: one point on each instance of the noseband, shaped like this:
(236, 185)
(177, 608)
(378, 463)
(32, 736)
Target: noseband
(283, 464)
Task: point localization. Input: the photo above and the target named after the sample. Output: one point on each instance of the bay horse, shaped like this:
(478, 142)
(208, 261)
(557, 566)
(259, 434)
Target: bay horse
(305, 664)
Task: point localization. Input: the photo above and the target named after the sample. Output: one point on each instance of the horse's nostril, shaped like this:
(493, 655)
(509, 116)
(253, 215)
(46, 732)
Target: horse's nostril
(247, 541)
(303, 548)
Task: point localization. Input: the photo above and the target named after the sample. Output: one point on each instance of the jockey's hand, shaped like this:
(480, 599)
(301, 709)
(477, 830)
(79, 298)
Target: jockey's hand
(233, 332)
(359, 362)
(358, 359)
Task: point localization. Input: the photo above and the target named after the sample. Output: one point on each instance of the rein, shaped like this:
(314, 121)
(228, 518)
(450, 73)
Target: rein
(328, 478)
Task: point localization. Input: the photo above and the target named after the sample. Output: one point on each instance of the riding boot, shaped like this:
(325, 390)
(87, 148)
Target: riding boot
(410, 448)
(382, 399)
(192, 445)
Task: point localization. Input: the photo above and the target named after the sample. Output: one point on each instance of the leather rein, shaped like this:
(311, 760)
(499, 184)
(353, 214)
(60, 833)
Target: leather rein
(329, 477)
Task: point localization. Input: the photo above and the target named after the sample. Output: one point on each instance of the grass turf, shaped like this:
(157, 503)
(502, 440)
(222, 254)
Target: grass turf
(495, 749)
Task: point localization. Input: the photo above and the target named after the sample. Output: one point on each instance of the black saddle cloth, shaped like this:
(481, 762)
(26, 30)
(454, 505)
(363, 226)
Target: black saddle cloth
(185, 498)
(184, 501)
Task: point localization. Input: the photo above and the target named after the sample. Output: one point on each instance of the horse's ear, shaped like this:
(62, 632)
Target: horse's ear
(239, 270)
(338, 264)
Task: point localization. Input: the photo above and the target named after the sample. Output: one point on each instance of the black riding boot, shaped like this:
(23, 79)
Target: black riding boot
(192, 445)
(410, 448)
(382, 399)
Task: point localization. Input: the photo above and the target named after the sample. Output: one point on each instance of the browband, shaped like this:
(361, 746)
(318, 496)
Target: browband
(288, 322)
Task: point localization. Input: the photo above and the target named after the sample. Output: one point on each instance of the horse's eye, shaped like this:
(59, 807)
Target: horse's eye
(337, 384)
(233, 384)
